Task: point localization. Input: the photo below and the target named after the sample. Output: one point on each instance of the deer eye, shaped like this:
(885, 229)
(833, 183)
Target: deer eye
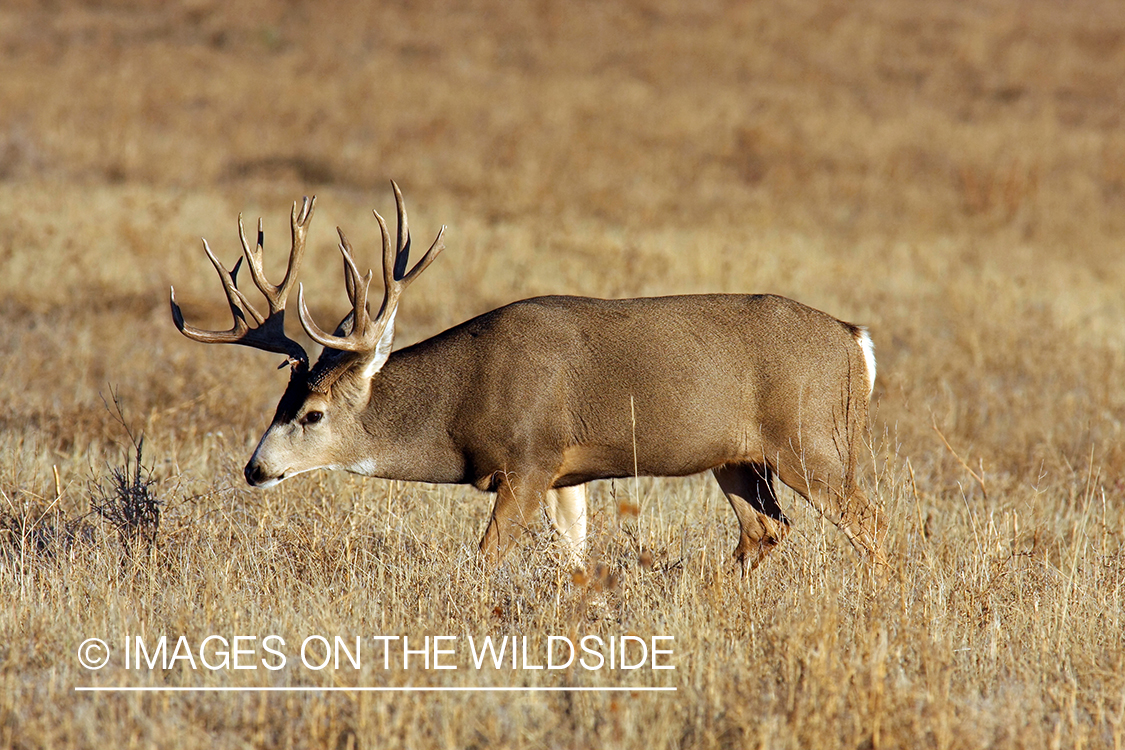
(312, 417)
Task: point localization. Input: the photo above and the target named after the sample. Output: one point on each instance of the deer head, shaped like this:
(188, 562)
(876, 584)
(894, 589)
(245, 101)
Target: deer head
(317, 420)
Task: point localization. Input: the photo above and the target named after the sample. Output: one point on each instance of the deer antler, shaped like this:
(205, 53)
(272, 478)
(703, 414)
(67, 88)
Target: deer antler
(365, 331)
(268, 332)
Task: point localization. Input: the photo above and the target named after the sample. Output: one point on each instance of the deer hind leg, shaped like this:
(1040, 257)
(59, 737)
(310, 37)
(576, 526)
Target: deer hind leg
(566, 509)
(762, 524)
(829, 485)
(516, 509)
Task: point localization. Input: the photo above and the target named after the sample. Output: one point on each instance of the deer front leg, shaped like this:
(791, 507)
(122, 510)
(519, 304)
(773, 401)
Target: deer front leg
(516, 509)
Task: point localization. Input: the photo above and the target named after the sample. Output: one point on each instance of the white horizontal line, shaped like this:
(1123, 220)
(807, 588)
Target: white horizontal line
(364, 689)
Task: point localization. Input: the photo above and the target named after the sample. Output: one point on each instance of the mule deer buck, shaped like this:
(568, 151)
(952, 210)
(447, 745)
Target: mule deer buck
(532, 400)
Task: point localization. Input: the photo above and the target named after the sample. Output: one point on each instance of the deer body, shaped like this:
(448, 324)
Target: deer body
(534, 399)
(569, 385)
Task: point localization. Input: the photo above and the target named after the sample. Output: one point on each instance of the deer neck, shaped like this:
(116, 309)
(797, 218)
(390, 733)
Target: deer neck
(406, 423)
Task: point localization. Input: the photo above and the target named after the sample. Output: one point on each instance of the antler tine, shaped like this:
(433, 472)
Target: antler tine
(391, 288)
(299, 222)
(358, 287)
(427, 259)
(351, 273)
(239, 305)
(395, 278)
(402, 251)
(254, 261)
(276, 294)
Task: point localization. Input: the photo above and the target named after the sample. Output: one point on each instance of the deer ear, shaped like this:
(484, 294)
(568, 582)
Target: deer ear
(382, 351)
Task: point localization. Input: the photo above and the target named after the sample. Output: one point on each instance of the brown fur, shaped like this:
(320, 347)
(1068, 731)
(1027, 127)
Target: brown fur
(557, 391)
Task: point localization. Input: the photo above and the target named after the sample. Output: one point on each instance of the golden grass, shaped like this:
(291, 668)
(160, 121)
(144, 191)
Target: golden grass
(951, 175)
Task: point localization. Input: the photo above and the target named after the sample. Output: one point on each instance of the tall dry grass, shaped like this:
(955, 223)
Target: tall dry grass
(951, 175)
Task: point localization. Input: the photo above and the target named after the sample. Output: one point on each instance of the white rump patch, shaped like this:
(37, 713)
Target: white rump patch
(868, 347)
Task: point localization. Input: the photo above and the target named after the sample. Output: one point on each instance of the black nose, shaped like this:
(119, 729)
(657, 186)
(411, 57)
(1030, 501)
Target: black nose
(253, 474)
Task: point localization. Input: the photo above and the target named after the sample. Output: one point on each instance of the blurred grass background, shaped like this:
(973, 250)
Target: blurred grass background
(950, 174)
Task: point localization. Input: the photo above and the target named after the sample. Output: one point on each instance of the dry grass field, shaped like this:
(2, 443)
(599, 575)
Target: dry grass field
(950, 174)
